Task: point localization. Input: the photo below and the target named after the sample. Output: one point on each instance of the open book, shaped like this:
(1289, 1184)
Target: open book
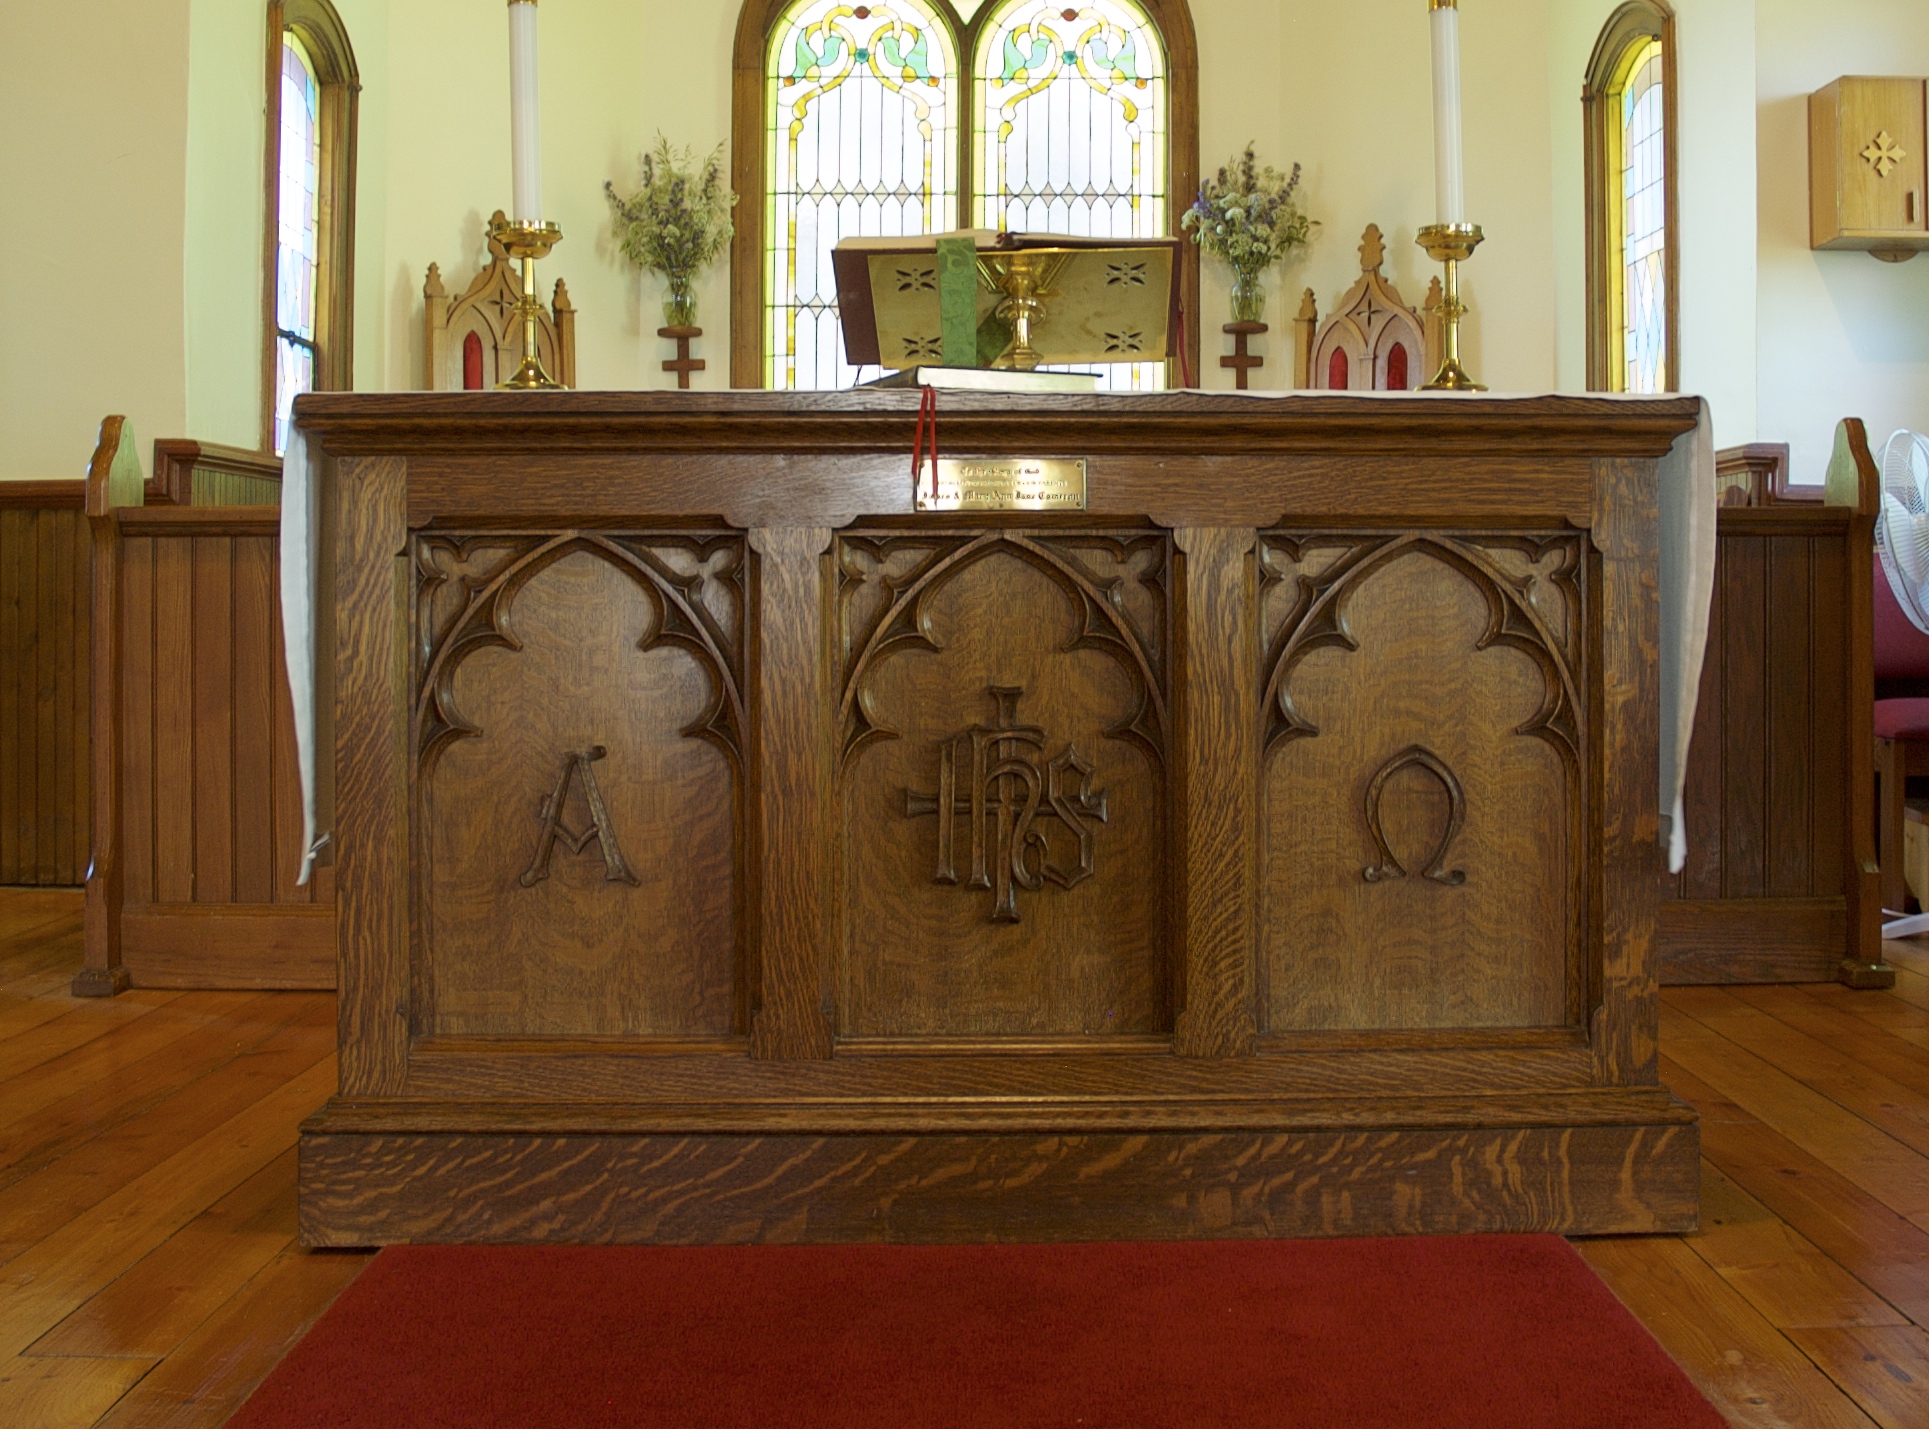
(1105, 299)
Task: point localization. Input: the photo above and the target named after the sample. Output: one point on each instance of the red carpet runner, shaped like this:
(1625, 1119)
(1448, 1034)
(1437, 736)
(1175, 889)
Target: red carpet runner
(1486, 1332)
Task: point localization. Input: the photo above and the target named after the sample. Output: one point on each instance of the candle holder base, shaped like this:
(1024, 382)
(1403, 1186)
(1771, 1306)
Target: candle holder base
(526, 242)
(1451, 244)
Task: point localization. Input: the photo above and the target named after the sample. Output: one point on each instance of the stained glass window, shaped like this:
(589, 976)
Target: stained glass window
(297, 230)
(1643, 311)
(1071, 128)
(861, 127)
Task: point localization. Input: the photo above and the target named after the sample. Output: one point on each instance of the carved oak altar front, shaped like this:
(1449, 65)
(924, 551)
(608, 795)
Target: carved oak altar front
(727, 852)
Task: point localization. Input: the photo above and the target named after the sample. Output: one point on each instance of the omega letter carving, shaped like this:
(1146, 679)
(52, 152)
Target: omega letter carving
(1004, 794)
(615, 870)
(1390, 867)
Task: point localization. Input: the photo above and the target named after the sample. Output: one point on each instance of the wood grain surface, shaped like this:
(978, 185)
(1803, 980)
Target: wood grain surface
(1762, 897)
(1800, 1301)
(751, 812)
(358, 1190)
(44, 688)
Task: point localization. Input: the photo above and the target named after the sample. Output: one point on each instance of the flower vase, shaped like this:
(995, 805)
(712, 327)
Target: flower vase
(1248, 295)
(680, 308)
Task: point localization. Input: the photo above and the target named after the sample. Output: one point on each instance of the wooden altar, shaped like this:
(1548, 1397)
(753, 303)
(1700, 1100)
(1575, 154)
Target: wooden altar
(728, 853)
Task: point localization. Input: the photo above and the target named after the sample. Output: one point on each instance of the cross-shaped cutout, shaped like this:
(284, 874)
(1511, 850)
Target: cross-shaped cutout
(1884, 154)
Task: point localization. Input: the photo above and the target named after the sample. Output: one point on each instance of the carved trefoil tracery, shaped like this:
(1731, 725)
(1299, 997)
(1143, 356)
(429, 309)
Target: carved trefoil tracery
(997, 779)
(1115, 584)
(465, 594)
(1532, 585)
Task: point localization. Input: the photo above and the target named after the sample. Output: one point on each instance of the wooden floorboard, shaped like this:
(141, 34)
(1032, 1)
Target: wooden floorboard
(150, 1276)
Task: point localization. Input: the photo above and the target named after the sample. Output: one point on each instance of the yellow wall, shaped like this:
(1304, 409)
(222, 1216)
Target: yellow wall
(93, 105)
(1841, 334)
(150, 185)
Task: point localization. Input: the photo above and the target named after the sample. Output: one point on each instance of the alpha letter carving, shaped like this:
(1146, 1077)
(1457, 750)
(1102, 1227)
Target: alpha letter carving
(577, 766)
(1007, 792)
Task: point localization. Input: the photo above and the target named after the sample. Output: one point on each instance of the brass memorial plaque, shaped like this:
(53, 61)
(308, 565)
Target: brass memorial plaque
(1003, 484)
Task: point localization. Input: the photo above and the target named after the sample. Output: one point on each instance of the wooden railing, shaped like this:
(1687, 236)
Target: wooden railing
(1779, 884)
(197, 806)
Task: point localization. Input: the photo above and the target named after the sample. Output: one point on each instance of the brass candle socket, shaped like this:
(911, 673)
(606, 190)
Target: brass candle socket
(526, 242)
(1451, 244)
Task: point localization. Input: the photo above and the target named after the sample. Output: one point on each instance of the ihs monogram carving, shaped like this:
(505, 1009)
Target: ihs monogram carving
(997, 780)
(576, 767)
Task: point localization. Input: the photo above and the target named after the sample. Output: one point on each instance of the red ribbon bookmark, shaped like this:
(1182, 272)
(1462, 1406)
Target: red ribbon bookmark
(927, 420)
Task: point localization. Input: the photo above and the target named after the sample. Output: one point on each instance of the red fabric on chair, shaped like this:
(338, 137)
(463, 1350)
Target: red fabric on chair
(1901, 650)
(1902, 719)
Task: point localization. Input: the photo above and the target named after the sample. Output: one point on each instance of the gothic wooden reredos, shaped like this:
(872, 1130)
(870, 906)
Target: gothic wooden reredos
(476, 342)
(750, 142)
(1374, 342)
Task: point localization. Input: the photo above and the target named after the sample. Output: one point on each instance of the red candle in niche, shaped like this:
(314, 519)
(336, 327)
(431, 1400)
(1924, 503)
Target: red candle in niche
(1396, 368)
(472, 362)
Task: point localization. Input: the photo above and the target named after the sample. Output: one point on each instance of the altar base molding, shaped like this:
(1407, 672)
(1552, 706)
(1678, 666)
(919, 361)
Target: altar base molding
(730, 852)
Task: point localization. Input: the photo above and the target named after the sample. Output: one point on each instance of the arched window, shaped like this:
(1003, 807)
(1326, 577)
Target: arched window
(1075, 116)
(1633, 304)
(308, 293)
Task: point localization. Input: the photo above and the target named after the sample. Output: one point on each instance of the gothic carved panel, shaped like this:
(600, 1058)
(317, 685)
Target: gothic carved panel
(578, 730)
(1003, 715)
(1424, 719)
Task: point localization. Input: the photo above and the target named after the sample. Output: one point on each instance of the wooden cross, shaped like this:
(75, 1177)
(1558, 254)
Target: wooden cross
(1239, 358)
(682, 364)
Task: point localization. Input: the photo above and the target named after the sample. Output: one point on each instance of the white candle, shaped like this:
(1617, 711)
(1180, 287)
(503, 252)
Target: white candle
(1449, 181)
(525, 153)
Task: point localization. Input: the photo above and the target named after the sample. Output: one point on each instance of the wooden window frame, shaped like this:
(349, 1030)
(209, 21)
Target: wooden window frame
(1637, 22)
(322, 31)
(748, 176)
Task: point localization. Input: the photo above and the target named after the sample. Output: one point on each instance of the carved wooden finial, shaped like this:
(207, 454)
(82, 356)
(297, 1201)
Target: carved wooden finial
(1372, 249)
(496, 250)
(1434, 296)
(433, 287)
(1308, 307)
(562, 303)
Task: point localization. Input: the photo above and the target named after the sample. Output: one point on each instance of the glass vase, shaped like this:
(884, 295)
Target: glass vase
(680, 308)
(1248, 295)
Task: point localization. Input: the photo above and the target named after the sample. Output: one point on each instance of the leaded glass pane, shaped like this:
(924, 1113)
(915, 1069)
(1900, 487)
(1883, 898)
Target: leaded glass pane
(861, 128)
(294, 374)
(1644, 239)
(1071, 117)
(298, 228)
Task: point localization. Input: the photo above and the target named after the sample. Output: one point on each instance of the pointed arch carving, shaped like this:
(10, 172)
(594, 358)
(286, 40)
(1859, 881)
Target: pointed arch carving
(899, 617)
(465, 596)
(1315, 618)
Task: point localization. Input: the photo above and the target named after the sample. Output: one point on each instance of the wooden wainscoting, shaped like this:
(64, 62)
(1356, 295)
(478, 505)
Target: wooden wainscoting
(1778, 884)
(43, 683)
(198, 797)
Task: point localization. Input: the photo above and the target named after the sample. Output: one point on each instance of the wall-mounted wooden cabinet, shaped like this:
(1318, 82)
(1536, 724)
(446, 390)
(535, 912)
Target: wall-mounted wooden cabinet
(1867, 138)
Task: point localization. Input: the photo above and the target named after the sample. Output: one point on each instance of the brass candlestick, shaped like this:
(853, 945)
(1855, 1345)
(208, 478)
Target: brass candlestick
(1451, 244)
(526, 242)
